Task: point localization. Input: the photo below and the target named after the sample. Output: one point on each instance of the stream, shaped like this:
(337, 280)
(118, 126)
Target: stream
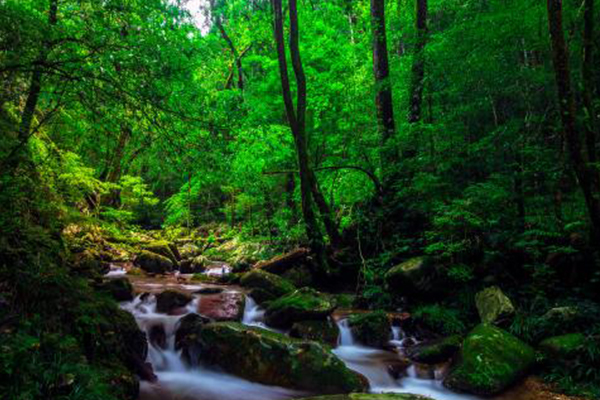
(178, 381)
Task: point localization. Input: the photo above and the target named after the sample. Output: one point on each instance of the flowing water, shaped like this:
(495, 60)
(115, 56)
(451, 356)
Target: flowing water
(179, 381)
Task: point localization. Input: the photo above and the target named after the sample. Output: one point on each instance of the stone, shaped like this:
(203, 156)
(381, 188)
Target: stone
(119, 289)
(280, 264)
(417, 277)
(224, 306)
(564, 348)
(371, 329)
(322, 331)
(436, 351)
(265, 286)
(275, 359)
(165, 249)
(153, 263)
(493, 306)
(490, 361)
(300, 305)
(170, 300)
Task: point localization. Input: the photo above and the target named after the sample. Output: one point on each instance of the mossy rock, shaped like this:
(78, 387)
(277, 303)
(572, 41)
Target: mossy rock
(371, 396)
(436, 351)
(165, 249)
(274, 359)
(493, 306)
(417, 277)
(372, 329)
(299, 276)
(153, 263)
(187, 335)
(323, 331)
(490, 361)
(119, 288)
(90, 263)
(189, 251)
(265, 286)
(563, 348)
(300, 305)
(170, 300)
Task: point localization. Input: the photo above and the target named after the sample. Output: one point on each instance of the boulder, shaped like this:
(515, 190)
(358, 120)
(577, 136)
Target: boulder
(417, 277)
(323, 331)
(271, 358)
(170, 300)
(265, 286)
(436, 351)
(118, 288)
(299, 276)
(187, 334)
(224, 306)
(282, 263)
(564, 348)
(90, 263)
(153, 263)
(195, 265)
(493, 306)
(157, 336)
(371, 329)
(300, 305)
(371, 396)
(490, 361)
(165, 249)
(189, 251)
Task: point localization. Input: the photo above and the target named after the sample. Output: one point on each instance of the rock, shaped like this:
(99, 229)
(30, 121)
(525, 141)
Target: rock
(241, 267)
(271, 358)
(209, 290)
(435, 352)
(189, 251)
(493, 306)
(265, 286)
(323, 331)
(225, 306)
(564, 348)
(299, 276)
(119, 288)
(371, 329)
(300, 305)
(489, 362)
(370, 396)
(165, 249)
(187, 335)
(157, 336)
(199, 264)
(90, 263)
(153, 263)
(282, 263)
(416, 277)
(170, 300)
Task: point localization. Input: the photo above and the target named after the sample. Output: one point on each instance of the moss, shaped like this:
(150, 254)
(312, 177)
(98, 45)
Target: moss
(566, 347)
(435, 352)
(372, 329)
(163, 248)
(324, 331)
(300, 305)
(275, 359)
(414, 277)
(153, 263)
(490, 361)
(118, 288)
(265, 285)
(493, 306)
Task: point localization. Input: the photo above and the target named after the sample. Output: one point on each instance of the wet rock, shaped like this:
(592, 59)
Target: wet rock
(209, 290)
(371, 396)
(165, 249)
(225, 306)
(158, 336)
(435, 352)
(371, 329)
(187, 335)
(282, 263)
(119, 288)
(265, 286)
(300, 305)
(417, 277)
(274, 359)
(170, 300)
(199, 264)
(493, 306)
(323, 331)
(189, 251)
(560, 349)
(397, 368)
(490, 361)
(90, 263)
(153, 263)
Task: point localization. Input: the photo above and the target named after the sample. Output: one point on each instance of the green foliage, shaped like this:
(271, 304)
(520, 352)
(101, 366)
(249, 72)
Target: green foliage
(440, 319)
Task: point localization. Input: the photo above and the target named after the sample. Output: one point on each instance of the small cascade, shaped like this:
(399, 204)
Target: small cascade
(253, 314)
(115, 271)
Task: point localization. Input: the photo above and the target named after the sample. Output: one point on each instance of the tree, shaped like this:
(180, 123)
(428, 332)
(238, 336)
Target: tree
(383, 87)
(586, 176)
(418, 66)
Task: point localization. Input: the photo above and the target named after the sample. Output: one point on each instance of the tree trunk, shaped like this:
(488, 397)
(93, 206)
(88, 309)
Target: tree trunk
(566, 100)
(35, 85)
(588, 82)
(115, 168)
(296, 119)
(383, 96)
(418, 66)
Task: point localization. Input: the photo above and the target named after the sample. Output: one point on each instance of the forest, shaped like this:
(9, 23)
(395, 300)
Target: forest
(299, 199)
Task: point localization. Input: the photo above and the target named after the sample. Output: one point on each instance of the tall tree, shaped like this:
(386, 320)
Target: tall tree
(297, 117)
(588, 80)
(584, 172)
(418, 66)
(383, 95)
